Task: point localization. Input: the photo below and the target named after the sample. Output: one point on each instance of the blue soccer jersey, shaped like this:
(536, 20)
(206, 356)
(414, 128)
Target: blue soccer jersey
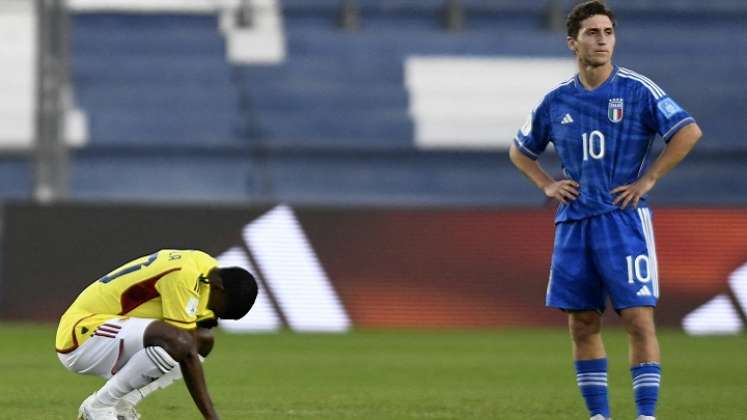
(602, 136)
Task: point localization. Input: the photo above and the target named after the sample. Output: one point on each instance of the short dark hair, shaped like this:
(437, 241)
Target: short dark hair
(584, 11)
(240, 291)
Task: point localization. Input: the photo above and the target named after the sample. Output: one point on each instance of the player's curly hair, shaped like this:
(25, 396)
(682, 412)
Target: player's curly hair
(240, 289)
(584, 11)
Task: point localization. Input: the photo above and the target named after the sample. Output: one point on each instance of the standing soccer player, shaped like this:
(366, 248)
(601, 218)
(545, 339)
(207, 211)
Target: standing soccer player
(602, 123)
(146, 324)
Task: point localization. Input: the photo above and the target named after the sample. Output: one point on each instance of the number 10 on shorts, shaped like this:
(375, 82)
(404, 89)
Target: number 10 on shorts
(635, 268)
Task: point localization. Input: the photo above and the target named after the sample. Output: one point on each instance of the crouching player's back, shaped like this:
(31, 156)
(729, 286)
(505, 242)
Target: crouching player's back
(146, 324)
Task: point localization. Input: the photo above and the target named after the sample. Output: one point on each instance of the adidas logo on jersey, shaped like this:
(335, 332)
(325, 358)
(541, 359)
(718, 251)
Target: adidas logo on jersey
(724, 314)
(645, 291)
(567, 119)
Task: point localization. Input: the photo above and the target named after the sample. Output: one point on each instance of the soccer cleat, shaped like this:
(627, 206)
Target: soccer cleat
(600, 417)
(126, 411)
(646, 418)
(88, 412)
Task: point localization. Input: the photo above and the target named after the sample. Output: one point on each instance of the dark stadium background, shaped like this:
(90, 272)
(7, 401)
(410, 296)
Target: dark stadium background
(414, 268)
(182, 147)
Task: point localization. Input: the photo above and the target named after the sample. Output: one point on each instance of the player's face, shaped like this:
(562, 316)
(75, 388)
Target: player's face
(217, 302)
(217, 299)
(595, 41)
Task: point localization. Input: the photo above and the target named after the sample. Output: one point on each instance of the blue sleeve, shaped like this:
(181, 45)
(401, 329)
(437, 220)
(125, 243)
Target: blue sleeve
(667, 116)
(533, 137)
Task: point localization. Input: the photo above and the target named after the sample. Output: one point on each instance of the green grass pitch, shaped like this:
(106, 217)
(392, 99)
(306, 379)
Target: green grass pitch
(372, 375)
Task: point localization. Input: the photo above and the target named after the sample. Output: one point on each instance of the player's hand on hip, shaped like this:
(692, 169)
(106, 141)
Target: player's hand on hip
(564, 191)
(631, 194)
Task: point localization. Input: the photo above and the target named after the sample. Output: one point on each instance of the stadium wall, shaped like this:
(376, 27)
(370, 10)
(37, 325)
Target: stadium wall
(330, 269)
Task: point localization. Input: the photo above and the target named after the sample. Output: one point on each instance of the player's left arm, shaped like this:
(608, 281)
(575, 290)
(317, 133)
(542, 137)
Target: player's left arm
(675, 151)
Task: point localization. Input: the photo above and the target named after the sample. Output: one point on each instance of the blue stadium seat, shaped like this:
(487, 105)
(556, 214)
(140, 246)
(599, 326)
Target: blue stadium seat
(16, 178)
(325, 96)
(132, 68)
(188, 126)
(161, 174)
(351, 129)
(149, 97)
(145, 35)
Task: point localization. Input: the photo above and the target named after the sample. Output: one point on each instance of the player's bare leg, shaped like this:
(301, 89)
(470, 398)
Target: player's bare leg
(639, 323)
(590, 361)
(183, 347)
(585, 328)
(205, 342)
(645, 358)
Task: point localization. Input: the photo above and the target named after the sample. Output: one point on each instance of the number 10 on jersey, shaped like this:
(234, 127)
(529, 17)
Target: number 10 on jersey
(593, 145)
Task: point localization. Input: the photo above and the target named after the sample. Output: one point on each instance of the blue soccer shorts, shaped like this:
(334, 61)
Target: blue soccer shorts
(611, 254)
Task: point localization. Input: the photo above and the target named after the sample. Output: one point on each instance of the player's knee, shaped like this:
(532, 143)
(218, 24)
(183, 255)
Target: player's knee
(185, 344)
(584, 333)
(639, 322)
(640, 328)
(178, 343)
(205, 341)
(583, 326)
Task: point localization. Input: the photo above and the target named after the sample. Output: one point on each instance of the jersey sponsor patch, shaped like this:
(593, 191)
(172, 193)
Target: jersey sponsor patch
(668, 107)
(191, 307)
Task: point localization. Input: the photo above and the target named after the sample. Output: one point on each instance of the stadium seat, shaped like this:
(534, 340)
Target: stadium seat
(16, 178)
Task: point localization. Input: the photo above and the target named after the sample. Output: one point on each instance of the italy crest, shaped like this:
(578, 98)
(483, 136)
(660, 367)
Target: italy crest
(615, 110)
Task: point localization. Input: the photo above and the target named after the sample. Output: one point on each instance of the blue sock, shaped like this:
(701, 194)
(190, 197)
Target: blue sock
(591, 377)
(646, 381)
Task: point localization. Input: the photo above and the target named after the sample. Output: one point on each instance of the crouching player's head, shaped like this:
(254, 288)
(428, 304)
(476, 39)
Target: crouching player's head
(233, 291)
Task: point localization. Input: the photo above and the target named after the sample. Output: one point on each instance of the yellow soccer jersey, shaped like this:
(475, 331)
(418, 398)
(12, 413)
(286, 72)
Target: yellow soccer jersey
(169, 285)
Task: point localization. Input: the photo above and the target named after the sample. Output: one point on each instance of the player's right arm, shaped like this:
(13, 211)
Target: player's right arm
(529, 143)
(180, 302)
(181, 344)
(564, 190)
(194, 378)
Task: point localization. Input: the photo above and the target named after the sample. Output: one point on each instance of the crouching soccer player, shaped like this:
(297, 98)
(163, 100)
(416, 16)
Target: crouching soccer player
(146, 324)
(602, 123)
